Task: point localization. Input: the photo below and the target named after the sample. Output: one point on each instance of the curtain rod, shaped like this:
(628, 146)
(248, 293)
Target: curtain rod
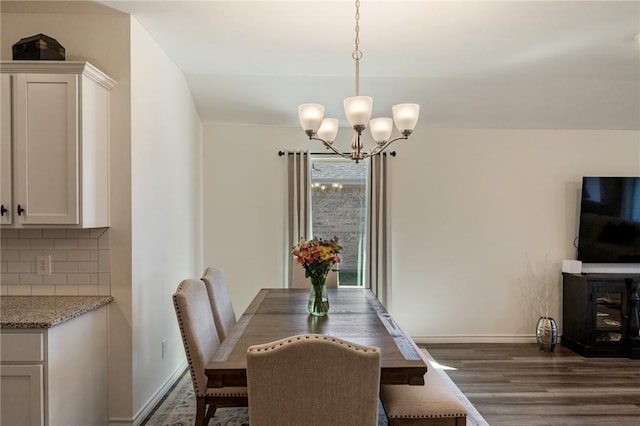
(282, 153)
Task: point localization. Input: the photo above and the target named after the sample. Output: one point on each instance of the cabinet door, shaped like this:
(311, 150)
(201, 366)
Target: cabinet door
(21, 395)
(5, 150)
(609, 322)
(46, 149)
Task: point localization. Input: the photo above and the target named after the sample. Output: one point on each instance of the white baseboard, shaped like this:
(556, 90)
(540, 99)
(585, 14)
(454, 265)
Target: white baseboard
(120, 421)
(152, 402)
(155, 399)
(476, 339)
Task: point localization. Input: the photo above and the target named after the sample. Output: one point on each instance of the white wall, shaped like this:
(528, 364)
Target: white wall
(166, 146)
(244, 207)
(468, 208)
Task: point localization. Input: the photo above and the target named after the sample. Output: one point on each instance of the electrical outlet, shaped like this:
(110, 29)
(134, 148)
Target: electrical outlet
(43, 265)
(164, 348)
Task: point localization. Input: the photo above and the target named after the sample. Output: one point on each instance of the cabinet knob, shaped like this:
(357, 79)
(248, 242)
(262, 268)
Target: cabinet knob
(2, 210)
(20, 210)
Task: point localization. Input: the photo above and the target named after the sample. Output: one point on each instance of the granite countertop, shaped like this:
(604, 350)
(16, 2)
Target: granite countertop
(45, 311)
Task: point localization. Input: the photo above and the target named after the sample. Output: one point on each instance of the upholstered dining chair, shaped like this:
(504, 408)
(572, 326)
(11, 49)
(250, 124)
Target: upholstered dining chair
(200, 340)
(221, 305)
(313, 380)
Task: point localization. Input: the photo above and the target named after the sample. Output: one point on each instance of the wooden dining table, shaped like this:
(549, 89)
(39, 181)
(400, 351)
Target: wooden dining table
(355, 315)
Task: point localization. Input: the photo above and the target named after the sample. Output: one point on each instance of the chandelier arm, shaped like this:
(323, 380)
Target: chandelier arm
(331, 147)
(371, 153)
(379, 148)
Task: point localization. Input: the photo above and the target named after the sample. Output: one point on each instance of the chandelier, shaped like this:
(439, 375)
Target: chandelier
(358, 111)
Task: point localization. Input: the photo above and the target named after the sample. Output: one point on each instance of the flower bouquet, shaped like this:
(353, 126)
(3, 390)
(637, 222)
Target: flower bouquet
(317, 256)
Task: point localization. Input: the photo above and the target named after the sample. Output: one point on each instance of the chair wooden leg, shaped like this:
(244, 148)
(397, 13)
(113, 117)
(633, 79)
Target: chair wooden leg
(201, 405)
(211, 411)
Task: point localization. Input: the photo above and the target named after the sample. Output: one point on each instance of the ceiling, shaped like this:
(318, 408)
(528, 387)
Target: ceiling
(474, 64)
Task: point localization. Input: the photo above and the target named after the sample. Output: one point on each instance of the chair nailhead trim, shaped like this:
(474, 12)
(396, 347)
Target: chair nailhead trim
(198, 392)
(225, 394)
(316, 337)
(426, 416)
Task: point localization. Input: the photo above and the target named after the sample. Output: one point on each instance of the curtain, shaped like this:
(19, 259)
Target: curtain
(378, 261)
(298, 209)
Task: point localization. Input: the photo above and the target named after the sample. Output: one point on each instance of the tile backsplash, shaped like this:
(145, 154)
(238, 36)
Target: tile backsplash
(80, 262)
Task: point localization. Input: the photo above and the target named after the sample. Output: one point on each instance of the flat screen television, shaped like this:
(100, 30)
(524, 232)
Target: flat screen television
(609, 229)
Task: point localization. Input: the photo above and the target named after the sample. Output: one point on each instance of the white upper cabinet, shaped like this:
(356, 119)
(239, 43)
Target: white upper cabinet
(5, 150)
(58, 143)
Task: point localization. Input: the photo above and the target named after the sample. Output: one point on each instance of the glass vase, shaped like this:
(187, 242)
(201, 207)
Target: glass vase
(318, 299)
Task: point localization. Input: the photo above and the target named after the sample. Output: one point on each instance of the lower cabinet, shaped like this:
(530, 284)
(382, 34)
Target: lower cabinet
(600, 314)
(22, 395)
(55, 376)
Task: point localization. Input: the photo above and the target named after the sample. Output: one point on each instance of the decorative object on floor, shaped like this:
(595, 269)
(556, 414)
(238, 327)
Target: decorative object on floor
(317, 256)
(358, 111)
(39, 47)
(546, 334)
(545, 294)
(177, 409)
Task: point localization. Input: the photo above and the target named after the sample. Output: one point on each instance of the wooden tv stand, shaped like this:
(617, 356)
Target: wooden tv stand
(600, 314)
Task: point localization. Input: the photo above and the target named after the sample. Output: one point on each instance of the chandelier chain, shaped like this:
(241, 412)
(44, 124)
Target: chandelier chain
(357, 54)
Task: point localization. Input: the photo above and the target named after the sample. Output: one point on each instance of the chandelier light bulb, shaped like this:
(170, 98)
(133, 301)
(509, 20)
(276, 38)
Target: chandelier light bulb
(328, 130)
(358, 110)
(381, 129)
(406, 116)
(310, 116)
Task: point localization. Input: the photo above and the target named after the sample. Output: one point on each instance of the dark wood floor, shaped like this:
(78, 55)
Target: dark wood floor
(516, 384)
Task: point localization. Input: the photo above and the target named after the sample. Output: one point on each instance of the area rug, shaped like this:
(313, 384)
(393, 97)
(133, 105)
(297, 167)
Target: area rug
(178, 408)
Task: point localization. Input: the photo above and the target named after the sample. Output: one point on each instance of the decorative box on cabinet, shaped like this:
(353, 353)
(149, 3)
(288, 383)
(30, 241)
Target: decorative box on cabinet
(55, 145)
(600, 314)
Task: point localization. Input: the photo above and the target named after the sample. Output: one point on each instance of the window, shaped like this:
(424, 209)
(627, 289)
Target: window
(339, 207)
